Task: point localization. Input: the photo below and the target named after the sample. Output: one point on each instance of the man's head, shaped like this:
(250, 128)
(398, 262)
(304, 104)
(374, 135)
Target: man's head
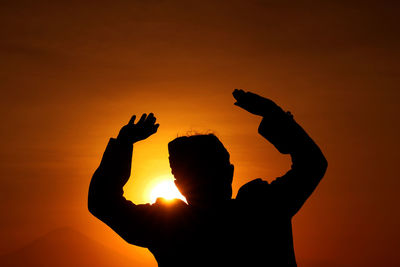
(201, 167)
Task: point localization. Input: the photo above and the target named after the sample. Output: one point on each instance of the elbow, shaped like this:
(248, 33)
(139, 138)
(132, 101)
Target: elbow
(97, 209)
(95, 204)
(91, 200)
(325, 164)
(317, 166)
(96, 197)
(100, 205)
(93, 207)
(93, 211)
(322, 166)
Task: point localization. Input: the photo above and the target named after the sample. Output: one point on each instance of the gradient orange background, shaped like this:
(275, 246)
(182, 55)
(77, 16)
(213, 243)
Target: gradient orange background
(73, 72)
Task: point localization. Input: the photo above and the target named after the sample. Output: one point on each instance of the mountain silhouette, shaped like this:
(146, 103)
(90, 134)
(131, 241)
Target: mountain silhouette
(66, 247)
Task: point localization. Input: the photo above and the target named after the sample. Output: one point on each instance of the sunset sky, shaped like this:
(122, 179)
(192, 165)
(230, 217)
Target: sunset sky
(73, 72)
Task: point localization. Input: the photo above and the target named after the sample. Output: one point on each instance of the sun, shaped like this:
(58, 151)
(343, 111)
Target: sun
(166, 189)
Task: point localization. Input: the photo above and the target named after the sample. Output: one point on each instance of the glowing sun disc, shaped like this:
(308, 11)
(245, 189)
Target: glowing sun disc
(165, 189)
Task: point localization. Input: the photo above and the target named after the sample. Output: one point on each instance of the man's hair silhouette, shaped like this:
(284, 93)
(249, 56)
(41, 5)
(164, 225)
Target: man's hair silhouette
(212, 229)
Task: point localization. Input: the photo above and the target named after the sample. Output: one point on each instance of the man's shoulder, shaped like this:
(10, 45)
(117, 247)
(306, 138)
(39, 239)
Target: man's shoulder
(253, 190)
(160, 201)
(169, 205)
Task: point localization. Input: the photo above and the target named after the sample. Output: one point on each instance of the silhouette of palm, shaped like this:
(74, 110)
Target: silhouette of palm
(141, 130)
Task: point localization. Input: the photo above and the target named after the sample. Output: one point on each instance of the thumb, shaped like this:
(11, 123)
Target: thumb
(239, 104)
(243, 106)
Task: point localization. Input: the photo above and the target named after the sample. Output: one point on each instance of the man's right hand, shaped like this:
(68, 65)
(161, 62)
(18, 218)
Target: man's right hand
(132, 132)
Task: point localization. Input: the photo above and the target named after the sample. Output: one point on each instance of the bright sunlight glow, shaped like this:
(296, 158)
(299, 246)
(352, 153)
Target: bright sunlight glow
(165, 189)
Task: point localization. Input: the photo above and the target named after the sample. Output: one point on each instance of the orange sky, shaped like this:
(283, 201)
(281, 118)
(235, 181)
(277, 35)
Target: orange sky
(73, 72)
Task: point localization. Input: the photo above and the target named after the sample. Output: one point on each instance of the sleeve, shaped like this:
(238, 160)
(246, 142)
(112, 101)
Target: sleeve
(140, 225)
(290, 191)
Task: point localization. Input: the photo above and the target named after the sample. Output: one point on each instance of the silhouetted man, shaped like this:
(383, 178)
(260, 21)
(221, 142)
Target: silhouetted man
(212, 229)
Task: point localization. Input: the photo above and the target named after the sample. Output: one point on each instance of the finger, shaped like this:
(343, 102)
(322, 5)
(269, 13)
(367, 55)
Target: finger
(132, 120)
(150, 119)
(238, 90)
(240, 96)
(142, 118)
(235, 92)
(154, 129)
(238, 93)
